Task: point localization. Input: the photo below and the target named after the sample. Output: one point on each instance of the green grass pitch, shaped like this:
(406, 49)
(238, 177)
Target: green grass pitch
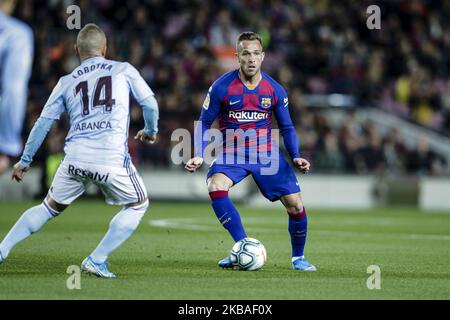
(173, 255)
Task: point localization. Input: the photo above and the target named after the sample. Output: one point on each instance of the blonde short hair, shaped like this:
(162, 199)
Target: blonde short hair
(90, 40)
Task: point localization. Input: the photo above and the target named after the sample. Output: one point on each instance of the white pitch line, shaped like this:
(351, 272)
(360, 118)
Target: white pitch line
(191, 224)
(385, 234)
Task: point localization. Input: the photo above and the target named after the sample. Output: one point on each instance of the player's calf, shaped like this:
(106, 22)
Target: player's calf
(30, 222)
(298, 224)
(120, 229)
(227, 214)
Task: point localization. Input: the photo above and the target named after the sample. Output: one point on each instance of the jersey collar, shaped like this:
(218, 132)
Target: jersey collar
(92, 59)
(251, 87)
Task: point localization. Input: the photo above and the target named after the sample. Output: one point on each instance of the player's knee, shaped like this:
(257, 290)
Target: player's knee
(140, 206)
(144, 206)
(129, 218)
(215, 185)
(296, 210)
(54, 205)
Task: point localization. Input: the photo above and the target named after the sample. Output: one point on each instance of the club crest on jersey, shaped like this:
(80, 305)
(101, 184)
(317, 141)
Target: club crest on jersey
(266, 102)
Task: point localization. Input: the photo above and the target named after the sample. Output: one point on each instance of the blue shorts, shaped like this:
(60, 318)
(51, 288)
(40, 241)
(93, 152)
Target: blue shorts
(273, 184)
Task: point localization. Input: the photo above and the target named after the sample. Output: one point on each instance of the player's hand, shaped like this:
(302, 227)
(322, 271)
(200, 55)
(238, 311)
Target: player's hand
(302, 164)
(141, 135)
(193, 164)
(19, 172)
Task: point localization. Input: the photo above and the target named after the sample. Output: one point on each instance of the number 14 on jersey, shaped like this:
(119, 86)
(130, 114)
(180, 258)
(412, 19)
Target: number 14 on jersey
(103, 84)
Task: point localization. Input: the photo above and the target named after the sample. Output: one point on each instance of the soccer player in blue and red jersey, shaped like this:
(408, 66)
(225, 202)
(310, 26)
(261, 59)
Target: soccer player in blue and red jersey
(245, 100)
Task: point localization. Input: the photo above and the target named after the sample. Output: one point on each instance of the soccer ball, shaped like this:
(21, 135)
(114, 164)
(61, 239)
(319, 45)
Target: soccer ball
(248, 254)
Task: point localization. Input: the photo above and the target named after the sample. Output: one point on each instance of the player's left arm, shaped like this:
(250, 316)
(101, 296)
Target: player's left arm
(287, 130)
(146, 99)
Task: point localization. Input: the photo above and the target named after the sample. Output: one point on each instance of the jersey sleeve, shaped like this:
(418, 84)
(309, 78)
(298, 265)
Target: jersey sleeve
(139, 88)
(210, 110)
(151, 115)
(285, 124)
(55, 105)
(35, 139)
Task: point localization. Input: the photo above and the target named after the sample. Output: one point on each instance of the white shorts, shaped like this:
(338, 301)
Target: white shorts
(120, 186)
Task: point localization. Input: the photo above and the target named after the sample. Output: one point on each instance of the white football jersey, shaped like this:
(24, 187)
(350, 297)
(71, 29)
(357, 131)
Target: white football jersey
(96, 96)
(16, 59)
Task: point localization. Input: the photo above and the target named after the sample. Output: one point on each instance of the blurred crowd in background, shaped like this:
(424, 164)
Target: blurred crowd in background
(312, 47)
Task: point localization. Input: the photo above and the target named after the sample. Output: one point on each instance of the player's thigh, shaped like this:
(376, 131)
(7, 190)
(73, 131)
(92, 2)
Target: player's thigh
(223, 177)
(124, 186)
(66, 186)
(275, 184)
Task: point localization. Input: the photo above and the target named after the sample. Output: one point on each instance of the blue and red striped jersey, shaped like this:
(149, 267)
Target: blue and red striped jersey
(237, 106)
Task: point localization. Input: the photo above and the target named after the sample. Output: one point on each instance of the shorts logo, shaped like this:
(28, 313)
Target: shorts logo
(266, 102)
(88, 174)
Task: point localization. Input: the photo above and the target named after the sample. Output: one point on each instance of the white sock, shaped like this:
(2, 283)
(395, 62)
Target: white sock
(31, 221)
(295, 258)
(120, 229)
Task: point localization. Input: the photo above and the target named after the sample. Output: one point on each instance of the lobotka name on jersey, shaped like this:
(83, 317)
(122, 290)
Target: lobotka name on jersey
(93, 67)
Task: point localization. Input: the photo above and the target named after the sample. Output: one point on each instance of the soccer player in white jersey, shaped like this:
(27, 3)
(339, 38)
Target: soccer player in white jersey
(16, 59)
(96, 98)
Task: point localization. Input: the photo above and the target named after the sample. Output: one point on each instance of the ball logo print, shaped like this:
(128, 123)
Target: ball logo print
(248, 254)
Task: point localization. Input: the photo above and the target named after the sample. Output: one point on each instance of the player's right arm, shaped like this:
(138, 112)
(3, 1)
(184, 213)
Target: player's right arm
(210, 110)
(52, 111)
(146, 99)
(151, 114)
